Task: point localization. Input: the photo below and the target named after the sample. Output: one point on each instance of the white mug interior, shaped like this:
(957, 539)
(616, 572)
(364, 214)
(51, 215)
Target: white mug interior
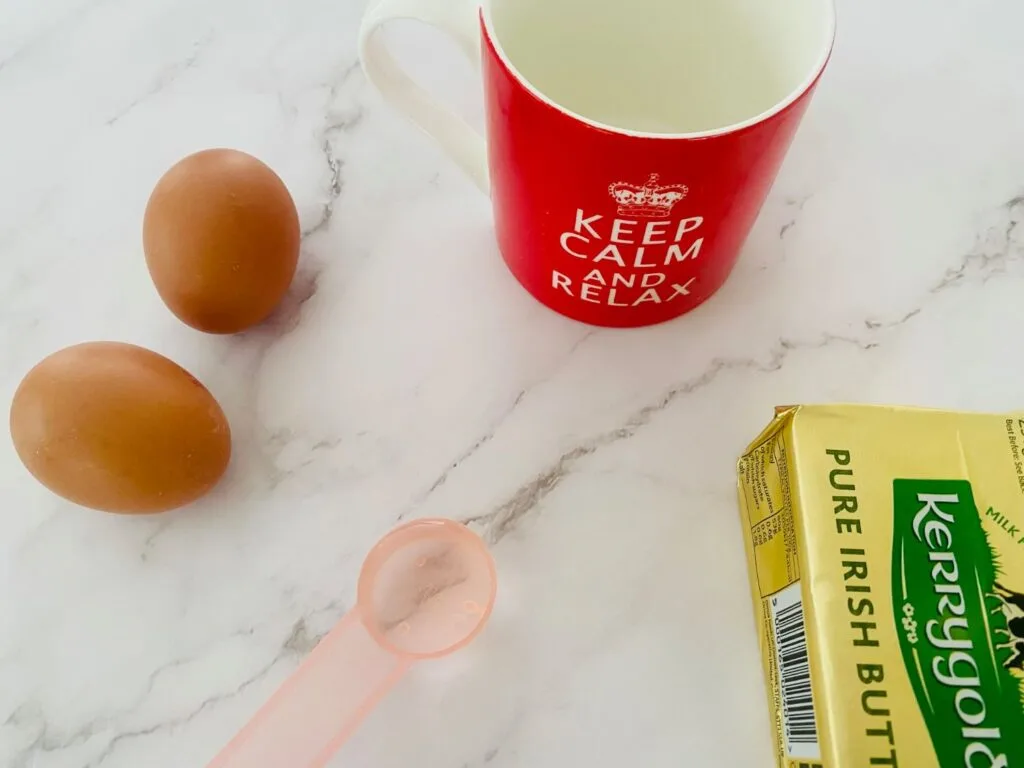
(665, 67)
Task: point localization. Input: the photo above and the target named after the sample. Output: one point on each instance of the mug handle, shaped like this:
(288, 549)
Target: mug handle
(459, 18)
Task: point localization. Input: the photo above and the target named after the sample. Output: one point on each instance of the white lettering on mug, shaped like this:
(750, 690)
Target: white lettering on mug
(590, 293)
(610, 253)
(594, 289)
(620, 229)
(649, 295)
(582, 223)
(688, 225)
(681, 290)
(627, 249)
(675, 253)
(558, 280)
(611, 300)
(656, 229)
(566, 237)
(639, 262)
(626, 281)
(653, 280)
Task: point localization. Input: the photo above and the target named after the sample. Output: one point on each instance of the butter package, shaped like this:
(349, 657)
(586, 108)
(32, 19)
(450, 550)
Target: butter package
(886, 554)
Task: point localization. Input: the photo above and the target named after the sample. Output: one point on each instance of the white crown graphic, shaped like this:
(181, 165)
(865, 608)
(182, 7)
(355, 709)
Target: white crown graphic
(651, 201)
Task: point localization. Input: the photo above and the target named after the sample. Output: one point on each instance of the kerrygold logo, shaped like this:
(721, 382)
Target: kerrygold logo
(954, 626)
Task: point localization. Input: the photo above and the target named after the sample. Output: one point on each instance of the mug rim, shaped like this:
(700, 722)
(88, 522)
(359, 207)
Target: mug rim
(783, 104)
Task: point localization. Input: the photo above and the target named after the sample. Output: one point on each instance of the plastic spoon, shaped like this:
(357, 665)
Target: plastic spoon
(425, 591)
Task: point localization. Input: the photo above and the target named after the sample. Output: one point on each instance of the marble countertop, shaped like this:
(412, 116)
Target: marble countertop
(408, 375)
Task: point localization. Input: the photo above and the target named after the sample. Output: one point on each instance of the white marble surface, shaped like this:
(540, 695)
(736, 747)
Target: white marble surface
(410, 376)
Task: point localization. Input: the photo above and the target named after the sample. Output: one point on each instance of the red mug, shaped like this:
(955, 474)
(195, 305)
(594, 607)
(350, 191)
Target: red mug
(630, 143)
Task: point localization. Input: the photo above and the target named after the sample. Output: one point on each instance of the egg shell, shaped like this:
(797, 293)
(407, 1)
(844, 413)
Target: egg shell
(119, 428)
(221, 236)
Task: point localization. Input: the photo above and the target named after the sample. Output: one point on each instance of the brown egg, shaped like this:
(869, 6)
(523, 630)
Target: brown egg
(221, 236)
(119, 428)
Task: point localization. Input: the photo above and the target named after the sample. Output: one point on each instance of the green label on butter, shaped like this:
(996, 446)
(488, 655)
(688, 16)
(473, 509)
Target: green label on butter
(953, 626)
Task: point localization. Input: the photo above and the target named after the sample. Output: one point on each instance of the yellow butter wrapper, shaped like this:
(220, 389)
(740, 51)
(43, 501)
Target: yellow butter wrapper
(886, 554)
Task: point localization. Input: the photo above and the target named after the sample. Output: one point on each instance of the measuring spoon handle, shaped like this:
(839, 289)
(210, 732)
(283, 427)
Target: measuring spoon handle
(320, 705)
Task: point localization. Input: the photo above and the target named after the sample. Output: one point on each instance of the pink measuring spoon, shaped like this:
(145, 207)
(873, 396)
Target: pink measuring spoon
(425, 591)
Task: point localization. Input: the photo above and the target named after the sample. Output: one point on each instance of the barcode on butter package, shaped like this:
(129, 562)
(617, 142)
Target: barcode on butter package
(790, 634)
